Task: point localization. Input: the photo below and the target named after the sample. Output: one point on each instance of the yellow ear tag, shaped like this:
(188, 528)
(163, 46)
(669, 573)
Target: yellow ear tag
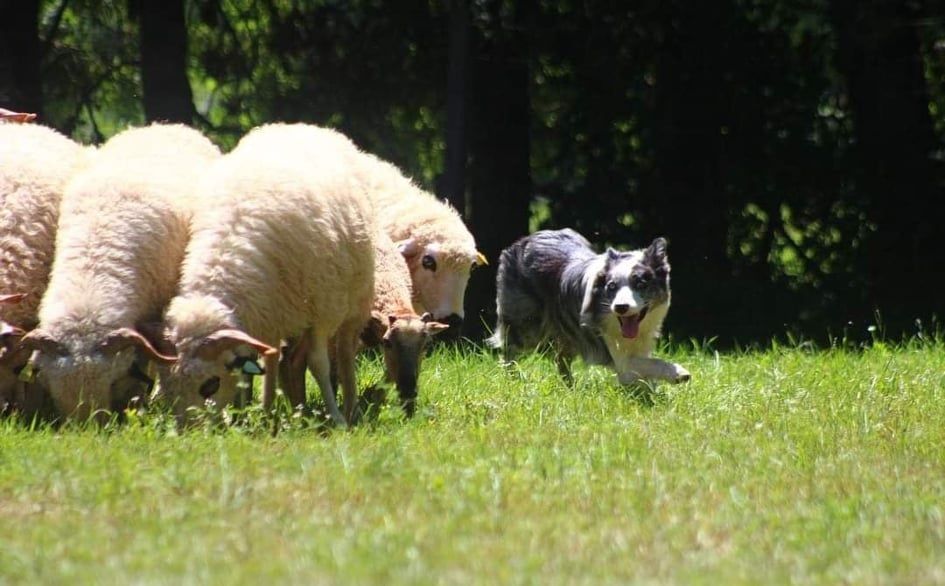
(481, 258)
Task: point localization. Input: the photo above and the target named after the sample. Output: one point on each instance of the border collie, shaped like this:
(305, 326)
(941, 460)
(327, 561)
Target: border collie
(552, 288)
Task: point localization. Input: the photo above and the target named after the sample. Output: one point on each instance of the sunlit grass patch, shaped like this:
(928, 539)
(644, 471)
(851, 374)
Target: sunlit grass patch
(779, 465)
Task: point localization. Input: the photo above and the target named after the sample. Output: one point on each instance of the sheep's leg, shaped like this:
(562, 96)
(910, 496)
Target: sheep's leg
(271, 364)
(320, 366)
(346, 343)
(292, 370)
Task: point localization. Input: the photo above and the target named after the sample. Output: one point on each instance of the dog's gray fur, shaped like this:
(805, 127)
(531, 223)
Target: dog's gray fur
(553, 288)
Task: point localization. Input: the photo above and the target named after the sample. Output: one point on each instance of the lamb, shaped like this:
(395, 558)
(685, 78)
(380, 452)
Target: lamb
(286, 252)
(35, 164)
(393, 323)
(121, 236)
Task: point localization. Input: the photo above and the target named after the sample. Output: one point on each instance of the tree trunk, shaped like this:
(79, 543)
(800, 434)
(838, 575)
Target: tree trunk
(879, 54)
(20, 56)
(454, 176)
(167, 94)
(499, 173)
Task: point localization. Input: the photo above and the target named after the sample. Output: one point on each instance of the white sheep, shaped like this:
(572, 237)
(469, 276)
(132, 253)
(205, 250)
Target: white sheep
(35, 164)
(439, 249)
(285, 252)
(123, 226)
(393, 324)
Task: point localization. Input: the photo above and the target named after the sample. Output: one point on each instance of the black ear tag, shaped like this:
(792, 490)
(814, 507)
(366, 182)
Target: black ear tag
(252, 368)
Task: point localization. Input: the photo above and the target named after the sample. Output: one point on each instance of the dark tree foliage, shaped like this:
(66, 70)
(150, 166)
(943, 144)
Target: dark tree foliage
(167, 94)
(20, 53)
(790, 150)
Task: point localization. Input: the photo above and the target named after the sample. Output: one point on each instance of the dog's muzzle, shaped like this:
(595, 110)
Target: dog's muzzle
(629, 324)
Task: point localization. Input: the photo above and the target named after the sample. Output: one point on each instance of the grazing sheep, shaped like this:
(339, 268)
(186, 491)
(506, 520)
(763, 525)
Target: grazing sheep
(122, 231)
(393, 323)
(35, 164)
(285, 252)
(439, 249)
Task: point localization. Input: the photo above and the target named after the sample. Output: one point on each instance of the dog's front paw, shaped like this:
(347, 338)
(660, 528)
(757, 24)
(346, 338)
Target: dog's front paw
(680, 375)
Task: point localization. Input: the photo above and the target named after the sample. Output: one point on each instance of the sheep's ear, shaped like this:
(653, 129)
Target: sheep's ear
(426, 317)
(9, 332)
(391, 319)
(434, 327)
(42, 341)
(10, 337)
(12, 298)
(10, 116)
(228, 339)
(408, 247)
(122, 338)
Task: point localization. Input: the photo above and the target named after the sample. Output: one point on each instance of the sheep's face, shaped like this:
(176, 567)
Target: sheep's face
(211, 369)
(404, 344)
(439, 279)
(86, 377)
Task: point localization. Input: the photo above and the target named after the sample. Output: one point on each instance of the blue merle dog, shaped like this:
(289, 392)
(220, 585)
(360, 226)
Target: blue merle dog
(552, 288)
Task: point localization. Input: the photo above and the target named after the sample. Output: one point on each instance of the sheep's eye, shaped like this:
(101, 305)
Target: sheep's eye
(428, 262)
(387, 343)
(209, 388)
(611, 286)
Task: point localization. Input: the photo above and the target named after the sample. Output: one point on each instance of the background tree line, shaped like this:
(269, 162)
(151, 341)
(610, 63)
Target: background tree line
(790, 150)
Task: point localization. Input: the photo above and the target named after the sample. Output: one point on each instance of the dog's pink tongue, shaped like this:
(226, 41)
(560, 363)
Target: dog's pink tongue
(630, 326)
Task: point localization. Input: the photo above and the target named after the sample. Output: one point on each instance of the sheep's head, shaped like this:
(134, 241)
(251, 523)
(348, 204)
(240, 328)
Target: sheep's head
(404, 344)
(85, 375)
(210, 368)
(439, 275)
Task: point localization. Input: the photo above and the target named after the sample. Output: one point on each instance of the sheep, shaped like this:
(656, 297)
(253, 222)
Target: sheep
(439, 249)
(285, 253)
(393, 323)
(121, 236)
(35, 164)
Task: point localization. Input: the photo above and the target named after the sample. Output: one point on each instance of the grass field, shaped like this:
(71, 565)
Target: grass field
(782, 466)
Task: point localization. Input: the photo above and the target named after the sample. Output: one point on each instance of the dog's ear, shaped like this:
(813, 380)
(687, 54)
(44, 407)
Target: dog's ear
(612, 255)
(655, 255)
(593, 283)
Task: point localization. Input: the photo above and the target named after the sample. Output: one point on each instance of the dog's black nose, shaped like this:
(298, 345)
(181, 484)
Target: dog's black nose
(621, 308)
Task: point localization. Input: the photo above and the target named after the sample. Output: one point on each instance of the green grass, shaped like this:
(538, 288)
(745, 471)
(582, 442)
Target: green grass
(783, 466)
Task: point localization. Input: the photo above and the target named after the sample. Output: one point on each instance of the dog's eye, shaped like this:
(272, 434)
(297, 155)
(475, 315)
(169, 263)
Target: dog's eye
(428, 262)
(611, 286)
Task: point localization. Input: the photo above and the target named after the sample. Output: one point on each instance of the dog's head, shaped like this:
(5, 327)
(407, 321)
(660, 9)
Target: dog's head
(627, 285)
